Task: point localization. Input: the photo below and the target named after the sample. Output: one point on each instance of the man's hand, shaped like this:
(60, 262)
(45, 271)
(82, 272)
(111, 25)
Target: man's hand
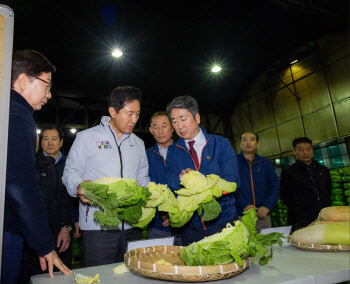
(165, 217)
(77, 233)
(262, 212)
(52, 259)
(250, 206)
(185, 172)
(80, 194)
(166, 223)
(63, 240)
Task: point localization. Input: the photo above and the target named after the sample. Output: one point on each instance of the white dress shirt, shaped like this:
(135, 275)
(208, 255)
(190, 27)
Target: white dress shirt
(199, 144)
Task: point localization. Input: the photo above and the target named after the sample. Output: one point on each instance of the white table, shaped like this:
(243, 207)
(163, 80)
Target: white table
(289, 265)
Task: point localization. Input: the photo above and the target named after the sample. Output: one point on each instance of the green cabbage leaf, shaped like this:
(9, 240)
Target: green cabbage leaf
(233, 244)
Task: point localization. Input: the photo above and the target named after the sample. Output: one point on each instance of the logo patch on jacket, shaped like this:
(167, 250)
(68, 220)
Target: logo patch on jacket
(208, 157)
(103, 145)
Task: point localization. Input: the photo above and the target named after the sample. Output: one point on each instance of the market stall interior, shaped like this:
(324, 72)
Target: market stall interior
(275, 69)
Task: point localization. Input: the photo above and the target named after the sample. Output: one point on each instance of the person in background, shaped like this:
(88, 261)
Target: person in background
(56, 199)
(260, 186)
(107, 150)
(25, 216)
(305, 186)
(51, 143)
(162, 131)
(206, 153)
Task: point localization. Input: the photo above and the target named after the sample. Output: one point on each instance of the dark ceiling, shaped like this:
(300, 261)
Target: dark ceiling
(169, 46)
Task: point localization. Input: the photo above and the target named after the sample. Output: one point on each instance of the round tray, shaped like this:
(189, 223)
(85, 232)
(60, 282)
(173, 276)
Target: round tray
(142, 261)
(316, 247)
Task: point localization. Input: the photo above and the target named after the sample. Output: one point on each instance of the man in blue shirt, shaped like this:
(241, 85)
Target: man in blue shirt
(206, 153)
(260, 186)
(162, 130)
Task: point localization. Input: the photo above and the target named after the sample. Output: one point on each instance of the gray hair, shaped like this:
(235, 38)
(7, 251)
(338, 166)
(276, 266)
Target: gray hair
(185, 102)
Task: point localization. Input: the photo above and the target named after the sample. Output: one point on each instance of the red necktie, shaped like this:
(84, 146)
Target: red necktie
(193, 154)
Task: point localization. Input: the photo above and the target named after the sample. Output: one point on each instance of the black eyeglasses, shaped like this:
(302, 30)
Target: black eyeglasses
(49, 84)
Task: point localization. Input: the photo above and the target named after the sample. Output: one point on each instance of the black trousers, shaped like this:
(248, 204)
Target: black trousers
(107, 246)
(193, 233)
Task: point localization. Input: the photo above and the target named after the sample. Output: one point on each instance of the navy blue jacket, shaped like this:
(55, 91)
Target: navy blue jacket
(218, 158)
(157, 166)
(260, 185)
(25, 211)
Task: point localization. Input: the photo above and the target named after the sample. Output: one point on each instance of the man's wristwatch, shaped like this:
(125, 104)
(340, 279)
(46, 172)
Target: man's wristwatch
(69, 228)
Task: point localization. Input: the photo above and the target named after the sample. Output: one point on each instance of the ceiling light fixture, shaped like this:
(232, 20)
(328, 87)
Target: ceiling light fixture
(117, 53)
(216, 69)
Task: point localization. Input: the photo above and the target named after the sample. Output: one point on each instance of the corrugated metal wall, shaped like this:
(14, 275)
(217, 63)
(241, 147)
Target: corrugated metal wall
(310, 98)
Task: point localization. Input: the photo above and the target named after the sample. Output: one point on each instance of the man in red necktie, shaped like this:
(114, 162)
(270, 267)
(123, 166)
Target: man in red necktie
(206, 153)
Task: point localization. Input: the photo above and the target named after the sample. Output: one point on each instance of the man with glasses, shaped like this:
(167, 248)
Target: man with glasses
(25, 216)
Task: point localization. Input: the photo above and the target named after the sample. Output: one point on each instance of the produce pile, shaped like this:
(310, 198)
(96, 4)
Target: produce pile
(279, 214)
(122, 199)
(340, 186)
(331, 228)
(233, 244)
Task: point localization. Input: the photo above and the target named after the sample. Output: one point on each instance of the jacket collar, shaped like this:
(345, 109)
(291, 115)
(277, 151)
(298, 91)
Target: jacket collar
(257, 158)
(105, 123)
(156, 146)
(302, 164)
(17, 97)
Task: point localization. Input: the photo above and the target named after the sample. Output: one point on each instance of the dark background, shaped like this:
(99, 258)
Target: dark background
(169, 48)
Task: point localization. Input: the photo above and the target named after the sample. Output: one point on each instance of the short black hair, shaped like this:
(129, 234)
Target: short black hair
(256, 135)
(29, 62)
(184, 102)
(159, 113)
(299, 140)
(121, 96)
(53, 127)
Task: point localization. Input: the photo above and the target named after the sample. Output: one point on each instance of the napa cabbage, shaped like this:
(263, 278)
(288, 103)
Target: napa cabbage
(233, 244)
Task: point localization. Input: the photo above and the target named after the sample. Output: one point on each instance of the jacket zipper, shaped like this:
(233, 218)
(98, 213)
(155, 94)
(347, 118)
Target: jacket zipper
(120, 158)
(121, 168)
(315, 189)
(160, 156)
(251, 181)
(251, 177)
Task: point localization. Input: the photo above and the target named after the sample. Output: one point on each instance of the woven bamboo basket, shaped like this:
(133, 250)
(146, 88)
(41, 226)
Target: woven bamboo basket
(142, 261)
(317, 247)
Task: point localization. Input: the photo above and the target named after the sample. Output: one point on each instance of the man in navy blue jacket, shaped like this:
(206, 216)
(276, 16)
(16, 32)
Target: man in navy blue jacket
(161, 129)
(25, 216)
(260, 186)
(206, 153)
